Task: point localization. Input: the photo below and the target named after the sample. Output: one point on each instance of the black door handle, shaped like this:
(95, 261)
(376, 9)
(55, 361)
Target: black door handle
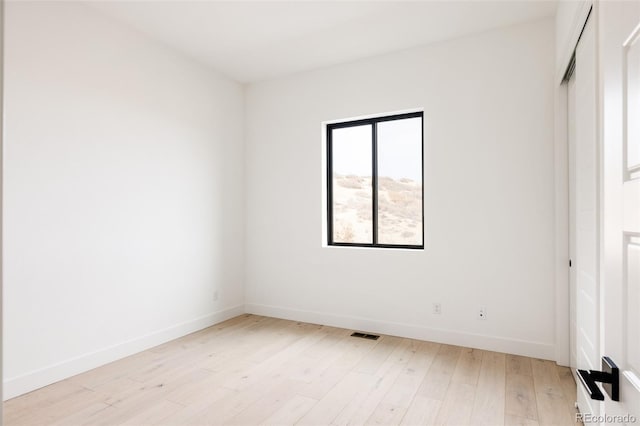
(609, 377)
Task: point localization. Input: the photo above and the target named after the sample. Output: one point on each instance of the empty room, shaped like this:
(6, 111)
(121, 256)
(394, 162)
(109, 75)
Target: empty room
(320, 212)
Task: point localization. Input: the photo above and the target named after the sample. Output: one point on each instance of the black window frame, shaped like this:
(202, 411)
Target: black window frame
(374, 178)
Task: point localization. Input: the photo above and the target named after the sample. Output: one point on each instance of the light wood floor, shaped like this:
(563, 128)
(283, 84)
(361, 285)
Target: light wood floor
(255, 370)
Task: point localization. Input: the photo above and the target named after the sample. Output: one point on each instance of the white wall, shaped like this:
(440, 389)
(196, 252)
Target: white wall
(123, 193)
(488, 101)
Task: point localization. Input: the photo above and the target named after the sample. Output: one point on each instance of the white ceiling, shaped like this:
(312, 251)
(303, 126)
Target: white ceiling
(257, 40)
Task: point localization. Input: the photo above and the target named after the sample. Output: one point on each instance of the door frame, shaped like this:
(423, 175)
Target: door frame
(571, 146)
(574, 17)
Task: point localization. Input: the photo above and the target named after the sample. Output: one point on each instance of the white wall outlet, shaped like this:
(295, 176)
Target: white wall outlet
(215, 295)
(482, 313)
(437, 308)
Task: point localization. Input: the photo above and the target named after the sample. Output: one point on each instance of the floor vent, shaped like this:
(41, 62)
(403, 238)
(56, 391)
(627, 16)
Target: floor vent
(366, 336)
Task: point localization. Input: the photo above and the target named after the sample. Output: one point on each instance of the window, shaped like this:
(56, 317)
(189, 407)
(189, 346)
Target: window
(374, 182)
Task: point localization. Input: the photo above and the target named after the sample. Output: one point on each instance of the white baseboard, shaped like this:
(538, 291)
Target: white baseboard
(22, 384)
(491, 343)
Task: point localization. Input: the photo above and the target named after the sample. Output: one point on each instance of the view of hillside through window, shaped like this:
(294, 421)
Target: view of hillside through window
(398, 162)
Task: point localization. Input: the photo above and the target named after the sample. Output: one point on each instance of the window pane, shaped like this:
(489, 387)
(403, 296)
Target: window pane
(400, 182)
(352, 190)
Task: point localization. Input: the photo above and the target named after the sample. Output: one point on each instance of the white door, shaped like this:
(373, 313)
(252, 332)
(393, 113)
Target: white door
(584, 159)
(619, 36)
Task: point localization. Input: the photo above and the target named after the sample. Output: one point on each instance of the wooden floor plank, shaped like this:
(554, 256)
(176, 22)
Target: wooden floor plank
(330, 406)
(378, 355)
(518, 365)
(489, 402)
(421, 411)
(550, 399)
(457, 405)
(521, 397)
(360, 408)
(511, 420)
(436, 383)
(336, 367)
(58, 410)
(43, 398)
(394, 405)
(568, 386)
(196, 408)
(88, 414)
(153, 414)
(262, 408)
(468, 367)
(291, 411)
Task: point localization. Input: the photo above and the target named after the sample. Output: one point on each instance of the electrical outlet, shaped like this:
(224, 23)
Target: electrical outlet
(482, 313)
(437, 308)
(215, 295)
